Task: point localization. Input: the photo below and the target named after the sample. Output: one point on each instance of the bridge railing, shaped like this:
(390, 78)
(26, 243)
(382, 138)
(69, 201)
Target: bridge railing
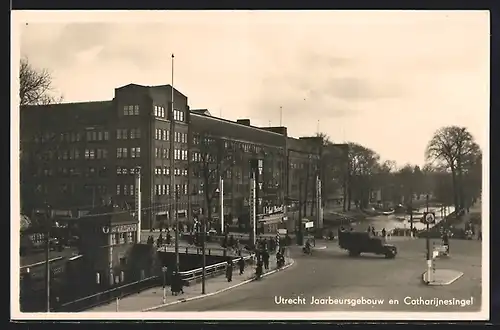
(108, 296)
(211, 270)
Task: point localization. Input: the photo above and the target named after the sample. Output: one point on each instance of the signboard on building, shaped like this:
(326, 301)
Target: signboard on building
(119, 229)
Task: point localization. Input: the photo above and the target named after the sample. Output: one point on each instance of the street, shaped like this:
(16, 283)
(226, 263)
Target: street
(331, 273)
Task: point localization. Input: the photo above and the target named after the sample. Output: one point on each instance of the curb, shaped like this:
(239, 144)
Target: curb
(216, 292)
(455, 278)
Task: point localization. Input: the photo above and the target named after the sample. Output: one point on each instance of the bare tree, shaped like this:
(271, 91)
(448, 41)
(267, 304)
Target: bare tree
(212, 159)
(35, 85)
(454, 148)
(362, 165)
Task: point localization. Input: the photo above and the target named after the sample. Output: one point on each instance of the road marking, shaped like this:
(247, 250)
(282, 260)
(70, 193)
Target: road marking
(216, 292)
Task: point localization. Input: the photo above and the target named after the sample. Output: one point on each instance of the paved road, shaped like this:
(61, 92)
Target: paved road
(330, 272)
(40, 256)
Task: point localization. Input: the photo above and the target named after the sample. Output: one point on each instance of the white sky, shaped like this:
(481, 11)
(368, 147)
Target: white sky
(386, 80)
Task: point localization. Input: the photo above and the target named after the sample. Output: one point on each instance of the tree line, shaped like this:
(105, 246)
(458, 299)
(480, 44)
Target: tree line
(452, 173)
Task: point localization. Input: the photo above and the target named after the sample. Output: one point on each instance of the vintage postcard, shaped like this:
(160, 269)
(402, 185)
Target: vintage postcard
(328, 165)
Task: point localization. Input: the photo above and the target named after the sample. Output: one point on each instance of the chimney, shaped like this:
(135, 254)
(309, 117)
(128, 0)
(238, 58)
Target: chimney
(245, 122)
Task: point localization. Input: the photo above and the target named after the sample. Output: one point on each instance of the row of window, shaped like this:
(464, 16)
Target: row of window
(126, 189)
(131, 110)
(180, 154)
(73, 171)
(162, 153)
(162, 134)
(91, 135)
(166, 171)
(178, 115)
(72, 188)
(97, 136)
(125, 170)
(123, 133)
(96, 153)
(164, 189)
(135, 152)
(159, 111)
(123, 238)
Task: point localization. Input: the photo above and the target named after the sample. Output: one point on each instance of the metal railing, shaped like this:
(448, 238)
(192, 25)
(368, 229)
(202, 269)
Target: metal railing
(211, 270)
(198, 250)
(110, 295)
(27, 267)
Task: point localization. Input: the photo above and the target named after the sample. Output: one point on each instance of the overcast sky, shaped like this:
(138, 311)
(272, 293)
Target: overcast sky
(386, 80)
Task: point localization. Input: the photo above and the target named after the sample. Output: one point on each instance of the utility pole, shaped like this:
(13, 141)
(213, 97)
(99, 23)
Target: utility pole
(428, 241)
(411, 212)
(176, 229)
(252, 213)
(299, 229)
(138, 208)
(221, 196)
(173, 195)
(204, 232)
(47, 256)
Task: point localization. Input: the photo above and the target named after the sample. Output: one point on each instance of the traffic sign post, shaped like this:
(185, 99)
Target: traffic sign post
(429, 218)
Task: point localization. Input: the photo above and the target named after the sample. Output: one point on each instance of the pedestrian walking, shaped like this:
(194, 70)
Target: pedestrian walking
(265, 259)
(229, 270)
(241, 265)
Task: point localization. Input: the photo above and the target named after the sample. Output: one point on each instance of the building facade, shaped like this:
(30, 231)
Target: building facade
(78, 156)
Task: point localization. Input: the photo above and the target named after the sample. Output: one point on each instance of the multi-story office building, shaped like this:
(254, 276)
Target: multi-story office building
(231, 151)
(77, 156)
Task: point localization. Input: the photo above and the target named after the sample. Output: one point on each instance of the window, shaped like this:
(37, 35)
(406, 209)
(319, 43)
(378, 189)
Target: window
(106, 135)
(136, 110)
(125, 189)
(164, 135)
(164, 153)
(157, 152)
(118, 189)
(89, 136)
(125, 170)
(166, 171)
(99, 136)
(121, 134)
(121, 153)
(135, 152)
(135, 133)
(168, 189)
(130, 239)
(157, 170)
(185, 189)
(113, 239)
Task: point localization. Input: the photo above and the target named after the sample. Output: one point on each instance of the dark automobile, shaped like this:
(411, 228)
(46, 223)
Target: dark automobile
(363, 242)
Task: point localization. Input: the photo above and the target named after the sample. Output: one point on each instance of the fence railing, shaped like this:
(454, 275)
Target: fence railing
(215, 251)
(27, 267)
(110, 295)
(211, 270)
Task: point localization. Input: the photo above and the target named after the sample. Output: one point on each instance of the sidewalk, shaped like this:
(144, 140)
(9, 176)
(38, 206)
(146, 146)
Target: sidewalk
(153, 298)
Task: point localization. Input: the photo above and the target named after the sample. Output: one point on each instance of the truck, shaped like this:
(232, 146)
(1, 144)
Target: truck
(363, 242)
